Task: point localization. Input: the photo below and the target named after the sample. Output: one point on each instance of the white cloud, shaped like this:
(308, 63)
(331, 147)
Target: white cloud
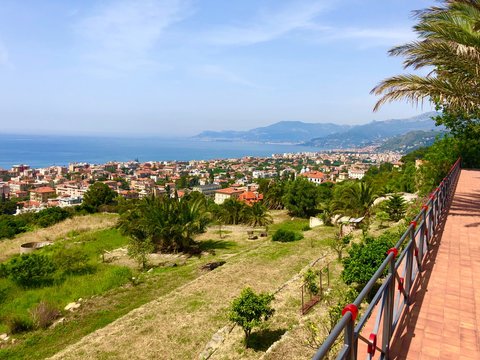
(269, 25)
(218, 72)
(121, 34)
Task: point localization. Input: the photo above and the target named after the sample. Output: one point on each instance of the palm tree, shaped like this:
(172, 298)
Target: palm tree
(356, 199)
(259, 216)
(450, 44)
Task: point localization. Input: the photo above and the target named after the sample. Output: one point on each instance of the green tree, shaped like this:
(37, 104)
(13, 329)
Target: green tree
(258, 215)
(365, 258)
(234, 211)
(339, 243)
(169, 223)
(249, 310)
(395, 207)
(301, 198)
(354, 199)
(30, 270)
(448, 47)
(139, 249)
(98, 194)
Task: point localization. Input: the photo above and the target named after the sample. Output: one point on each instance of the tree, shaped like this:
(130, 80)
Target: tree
(250, 309)
(395, 207)
(258, 215)
(339, 243)
(169, 223)
(234, 211)
(139, 249)
(365, 258)
(354, 199)
(449, 49)
(301, 198)
(98, 194)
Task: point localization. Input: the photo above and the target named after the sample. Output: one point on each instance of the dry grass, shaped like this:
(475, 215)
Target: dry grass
(9, 247)
(179, 324)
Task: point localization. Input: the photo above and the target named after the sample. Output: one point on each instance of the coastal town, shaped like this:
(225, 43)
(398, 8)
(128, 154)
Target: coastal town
(39, 188)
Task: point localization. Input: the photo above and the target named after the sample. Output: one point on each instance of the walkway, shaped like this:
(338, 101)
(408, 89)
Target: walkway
(444, 321)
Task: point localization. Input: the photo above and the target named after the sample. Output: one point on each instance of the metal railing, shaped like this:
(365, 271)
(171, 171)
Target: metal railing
(395, 293)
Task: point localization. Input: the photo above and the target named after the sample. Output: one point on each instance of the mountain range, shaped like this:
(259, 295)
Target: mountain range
(327, 135)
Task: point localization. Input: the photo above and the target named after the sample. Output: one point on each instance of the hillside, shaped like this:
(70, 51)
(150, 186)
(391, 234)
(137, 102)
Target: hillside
(281, 132)
(375, 132)
(410, 141)
(326, 135)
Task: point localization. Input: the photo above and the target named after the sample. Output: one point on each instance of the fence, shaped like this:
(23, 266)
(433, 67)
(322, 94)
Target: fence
(396, 290)
(323, 285)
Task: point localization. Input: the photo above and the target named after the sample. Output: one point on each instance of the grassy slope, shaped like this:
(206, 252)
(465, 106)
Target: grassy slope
(180, 324)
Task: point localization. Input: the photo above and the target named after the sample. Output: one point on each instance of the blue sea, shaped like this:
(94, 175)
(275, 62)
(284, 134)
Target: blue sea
(42, 150)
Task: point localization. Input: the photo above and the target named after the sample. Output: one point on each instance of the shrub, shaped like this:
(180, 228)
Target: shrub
(31, 270)
(44, 314)
(311, 281)
(365, 258)
(306, 228)
(72, 260)
(250, 309)
(283, 235)
(18, 324)
(50, 216)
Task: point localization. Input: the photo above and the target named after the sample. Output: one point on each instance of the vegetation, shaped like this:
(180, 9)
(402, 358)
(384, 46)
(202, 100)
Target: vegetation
(449, 49)
(311, 281)
(249, 310)
(167, 223)
(301, 198)
(395, 207)
(97, 195)
(283, 235)
(365, 258)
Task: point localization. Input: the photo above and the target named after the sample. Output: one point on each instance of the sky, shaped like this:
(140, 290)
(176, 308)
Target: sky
(177, 67)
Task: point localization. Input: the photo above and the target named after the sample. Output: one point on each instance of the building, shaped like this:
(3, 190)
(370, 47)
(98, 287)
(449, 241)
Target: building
(227, 193)
(250, 197)
(356, 173)
(42, 194)
(208, 189)
(4, 191)
(315, 177)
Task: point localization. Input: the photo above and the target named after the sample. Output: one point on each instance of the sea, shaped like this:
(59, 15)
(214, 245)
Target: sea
(47, 150)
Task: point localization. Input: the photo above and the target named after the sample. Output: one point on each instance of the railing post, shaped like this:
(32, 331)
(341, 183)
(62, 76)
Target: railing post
(409, 262)
(349, 339)
(389, 304)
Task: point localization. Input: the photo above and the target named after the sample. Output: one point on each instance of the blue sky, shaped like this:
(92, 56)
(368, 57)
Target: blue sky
(176, 67)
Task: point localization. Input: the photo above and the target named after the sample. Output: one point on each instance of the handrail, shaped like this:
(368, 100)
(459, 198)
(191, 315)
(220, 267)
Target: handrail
(395, 293)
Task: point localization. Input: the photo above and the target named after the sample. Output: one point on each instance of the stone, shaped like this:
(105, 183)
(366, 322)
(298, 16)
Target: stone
(57, 322)
(4, 337)
(72, 306)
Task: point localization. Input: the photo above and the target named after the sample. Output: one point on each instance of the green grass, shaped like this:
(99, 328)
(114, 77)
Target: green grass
(296, 224)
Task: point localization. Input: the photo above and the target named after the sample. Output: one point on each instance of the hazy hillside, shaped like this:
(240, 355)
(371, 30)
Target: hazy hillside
(280, 132)
(376, 131)
(410, 141)
(326, 135)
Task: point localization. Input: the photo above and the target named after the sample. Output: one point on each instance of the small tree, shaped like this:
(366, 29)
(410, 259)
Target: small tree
(395, 207)
(98, 194)
(382, 216)
(139, 249)
(339, 243)
(311, 281)
(250, 309)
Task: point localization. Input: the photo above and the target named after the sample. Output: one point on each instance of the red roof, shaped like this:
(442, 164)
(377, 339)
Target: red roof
(229, 191)
(43, 190)
(313, 175)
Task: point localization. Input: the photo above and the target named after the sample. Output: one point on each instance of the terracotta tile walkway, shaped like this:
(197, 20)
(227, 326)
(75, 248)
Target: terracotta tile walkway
(444, 321)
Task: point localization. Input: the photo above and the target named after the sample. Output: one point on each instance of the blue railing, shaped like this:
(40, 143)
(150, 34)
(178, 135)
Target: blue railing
(396, 290)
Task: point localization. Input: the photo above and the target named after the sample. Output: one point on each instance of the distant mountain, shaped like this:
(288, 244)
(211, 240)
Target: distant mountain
(295, 132)
(410, 141)
(375, 132)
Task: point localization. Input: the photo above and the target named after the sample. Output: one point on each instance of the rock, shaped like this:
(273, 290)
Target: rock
(57, 322)
(150, 270)
(80, 300)
(4, 337)
(72, 306)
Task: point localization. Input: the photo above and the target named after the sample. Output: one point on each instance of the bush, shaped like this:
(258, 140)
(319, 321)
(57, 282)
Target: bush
(250, 309)
(44, 314)
(18, 324)
(283, 235)
(306, 228)
(72, 260)
(311, 281)
(31, 270)
(365, 258)
(50, 216)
